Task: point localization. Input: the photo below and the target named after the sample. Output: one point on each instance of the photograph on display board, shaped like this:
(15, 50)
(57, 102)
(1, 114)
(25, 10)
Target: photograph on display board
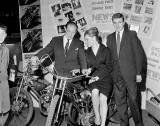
(138, 9)
(69, 16)
(82, 22)
(31, 17)
(149, 10)
(76, 4)
(61, 29)
(148, 20)
(32, 41)
(127, 6)
(56, 9)
(26, 2)
(151, 2)
(146, 29)
(66, 7)
(139, 2)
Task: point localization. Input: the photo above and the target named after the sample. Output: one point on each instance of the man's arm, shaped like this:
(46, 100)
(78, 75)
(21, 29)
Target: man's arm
(49, 49)
(138, 50)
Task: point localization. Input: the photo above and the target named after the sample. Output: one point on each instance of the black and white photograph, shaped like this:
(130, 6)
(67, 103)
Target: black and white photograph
(26, 2)
(149, 10)
(146, 29)
(148, 20)
(56, 9)
(127, 6)
(32, 41)
(82, 22)
(151, 2)
(31, 17)
(76, 4)
(61, 29)
(70, 16)
(66, 6)
(80, 63)
(139, 2)
(138, 9)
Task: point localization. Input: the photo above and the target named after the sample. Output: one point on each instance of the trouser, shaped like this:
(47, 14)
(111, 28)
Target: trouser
(122, 92)
(3, 118)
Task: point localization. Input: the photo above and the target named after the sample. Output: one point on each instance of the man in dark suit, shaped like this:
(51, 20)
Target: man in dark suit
(67, 51)
(127, 61)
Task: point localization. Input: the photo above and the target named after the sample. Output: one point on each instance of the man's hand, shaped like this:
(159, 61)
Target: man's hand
(75, 72)
(35, 62)
(93, 79)
(138, 78)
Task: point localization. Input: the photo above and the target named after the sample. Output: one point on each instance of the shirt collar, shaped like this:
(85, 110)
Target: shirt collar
(65, 39)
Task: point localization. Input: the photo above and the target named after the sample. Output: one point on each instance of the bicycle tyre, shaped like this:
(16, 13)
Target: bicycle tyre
(52, 110)
(75, 118)
(18, 108)
(70, 108)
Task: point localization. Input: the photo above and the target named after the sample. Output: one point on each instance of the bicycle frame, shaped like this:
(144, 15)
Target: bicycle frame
(60, 85)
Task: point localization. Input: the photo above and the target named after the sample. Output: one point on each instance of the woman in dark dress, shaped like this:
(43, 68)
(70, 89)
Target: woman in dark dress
(99, 67)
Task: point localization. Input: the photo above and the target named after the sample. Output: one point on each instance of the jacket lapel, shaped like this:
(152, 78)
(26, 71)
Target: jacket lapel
(61, 46)
(115, 45)
(122, 40)
(72, 45)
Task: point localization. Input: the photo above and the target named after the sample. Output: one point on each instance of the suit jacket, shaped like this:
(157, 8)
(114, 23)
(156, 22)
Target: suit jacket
(75, 58)
(101, 63)
(129, 61)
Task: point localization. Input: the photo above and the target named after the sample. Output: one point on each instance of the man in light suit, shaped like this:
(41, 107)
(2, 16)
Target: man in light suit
(66, 58)
(127, 60)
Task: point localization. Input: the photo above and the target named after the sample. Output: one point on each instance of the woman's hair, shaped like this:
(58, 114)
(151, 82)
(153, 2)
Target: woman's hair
(93, 31)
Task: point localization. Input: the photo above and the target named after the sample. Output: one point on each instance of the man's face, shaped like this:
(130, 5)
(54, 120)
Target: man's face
(3, 35)
(71, 31)
(118, 23)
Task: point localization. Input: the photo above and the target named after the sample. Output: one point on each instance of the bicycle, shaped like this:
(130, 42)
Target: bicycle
(60, 97)
(28, 86)
(80, 110)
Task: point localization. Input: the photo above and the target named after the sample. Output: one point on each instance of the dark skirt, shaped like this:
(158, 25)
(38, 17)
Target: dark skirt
(104, 87)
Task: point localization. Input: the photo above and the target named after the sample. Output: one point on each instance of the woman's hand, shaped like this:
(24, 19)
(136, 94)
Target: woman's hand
(93, 79)
(86, 71)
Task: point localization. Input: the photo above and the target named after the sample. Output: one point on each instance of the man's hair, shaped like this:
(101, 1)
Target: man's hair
(117, 15)
(71, 23)
(3, 27)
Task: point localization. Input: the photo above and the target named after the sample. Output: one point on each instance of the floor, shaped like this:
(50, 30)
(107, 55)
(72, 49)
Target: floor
(39, 120)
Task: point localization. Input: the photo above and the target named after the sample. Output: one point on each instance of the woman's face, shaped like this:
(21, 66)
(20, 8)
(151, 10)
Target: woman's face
(88, 40)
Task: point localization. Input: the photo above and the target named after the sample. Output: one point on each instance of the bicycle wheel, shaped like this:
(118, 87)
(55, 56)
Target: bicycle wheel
(84, 116)
(51, 113)
(21, 110)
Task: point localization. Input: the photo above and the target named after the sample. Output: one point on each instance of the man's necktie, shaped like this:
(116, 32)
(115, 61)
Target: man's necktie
(118, 42)
(67, 47)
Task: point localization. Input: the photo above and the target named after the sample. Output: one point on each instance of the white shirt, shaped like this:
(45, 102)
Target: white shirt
(65, 40)
(121, 33)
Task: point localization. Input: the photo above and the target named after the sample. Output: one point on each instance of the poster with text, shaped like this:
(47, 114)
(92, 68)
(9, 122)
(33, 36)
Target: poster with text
(153, 71)
(140, 13)
(101, 11)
